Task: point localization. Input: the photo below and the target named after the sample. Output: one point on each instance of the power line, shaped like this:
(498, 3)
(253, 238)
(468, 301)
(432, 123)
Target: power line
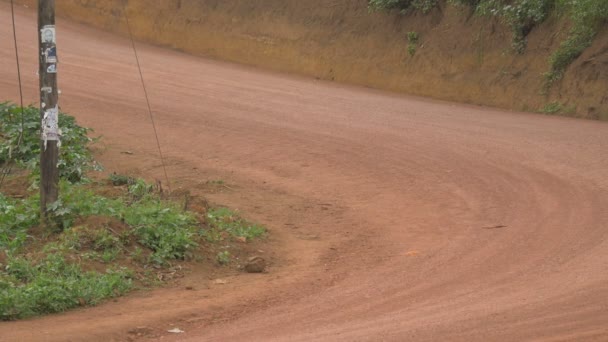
(8, 170)
(141, 76)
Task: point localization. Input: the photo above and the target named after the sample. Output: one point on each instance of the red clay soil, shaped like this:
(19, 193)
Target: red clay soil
(394, 218)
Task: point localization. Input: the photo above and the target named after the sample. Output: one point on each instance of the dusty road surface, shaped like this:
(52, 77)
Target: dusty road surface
(394, 218)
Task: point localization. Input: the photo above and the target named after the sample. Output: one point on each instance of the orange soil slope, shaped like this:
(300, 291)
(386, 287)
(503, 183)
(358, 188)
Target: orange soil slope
(461, 57)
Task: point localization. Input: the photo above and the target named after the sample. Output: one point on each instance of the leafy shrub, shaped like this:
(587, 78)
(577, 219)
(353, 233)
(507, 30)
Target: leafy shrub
(163, 228)
(159, 225)
(53, 285)
(76, 201)
(521, 16)
(587, 16)
(139, 188)
(16, 217)
(74, 157)
(118, 180)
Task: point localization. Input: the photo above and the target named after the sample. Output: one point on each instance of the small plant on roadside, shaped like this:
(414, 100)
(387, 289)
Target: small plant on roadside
(225, 221)
(557, 108)
(521, 15)
(412, 39)
(75, 159)
(16, 217)
(118, 180)
(159, 225)
(552, 108)
(138, 255)
(139, 188)
(424, 6)
(109, 255)
(223, 258)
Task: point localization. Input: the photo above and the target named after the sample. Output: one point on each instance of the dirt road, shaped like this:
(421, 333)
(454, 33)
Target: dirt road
(393, 218)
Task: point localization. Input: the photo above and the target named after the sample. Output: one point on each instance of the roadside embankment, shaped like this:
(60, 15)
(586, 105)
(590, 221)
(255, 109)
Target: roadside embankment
(458, 56)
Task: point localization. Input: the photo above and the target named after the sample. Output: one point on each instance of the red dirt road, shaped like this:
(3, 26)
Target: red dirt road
(383, 209)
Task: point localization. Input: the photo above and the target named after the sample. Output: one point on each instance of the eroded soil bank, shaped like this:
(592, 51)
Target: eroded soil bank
(460, 56)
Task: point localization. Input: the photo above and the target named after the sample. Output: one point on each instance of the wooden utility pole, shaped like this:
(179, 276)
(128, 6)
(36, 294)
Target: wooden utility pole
(49, 110)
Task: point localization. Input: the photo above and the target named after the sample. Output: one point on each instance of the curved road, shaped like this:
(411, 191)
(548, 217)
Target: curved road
(393, 218)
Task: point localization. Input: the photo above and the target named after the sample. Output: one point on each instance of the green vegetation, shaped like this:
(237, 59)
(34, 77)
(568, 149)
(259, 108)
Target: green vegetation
(16, 217)
(223, 258)
(587, 16)
(84, 224)
(75, 159)
(557, 108)
(412, 42)
(423, 6)
(224, 222)
(522, 16)
(118, 180)
(552, 108)
(97, 246)
(54, 285)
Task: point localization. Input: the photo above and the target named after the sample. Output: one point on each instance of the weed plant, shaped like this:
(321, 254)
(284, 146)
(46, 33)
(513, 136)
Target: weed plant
(522, 16)
(587, 17)
(75, 158)
(54, 285)
(225, 222)
(412, 42)
(45, 273)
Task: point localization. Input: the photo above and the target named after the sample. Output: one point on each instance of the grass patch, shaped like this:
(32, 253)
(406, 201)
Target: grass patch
(54, 285)
(225, 223)
(89, 230)
(97, 246)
